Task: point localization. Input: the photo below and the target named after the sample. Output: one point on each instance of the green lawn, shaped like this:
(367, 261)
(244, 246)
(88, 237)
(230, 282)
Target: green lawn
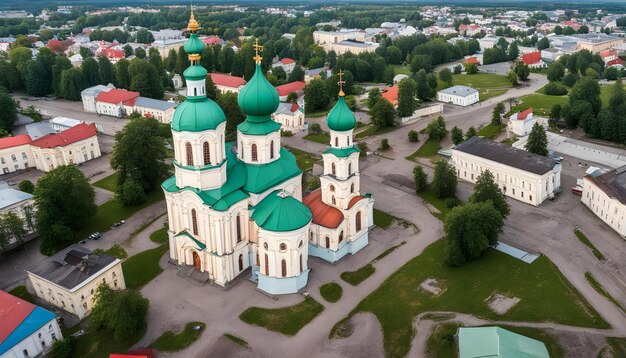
(545, 294)
(22, 292)
(401, 70)
(286, 320)
(316, 114)
(331, 292)
(605, 94)
(491, 131)
(370, 130)
(143, 267)
(117, 251)
(427, 150)
(109, 183)
(430, 196)
(488, 84)
(172, 341)
(382, 219)
(598, 287)
(305, 160)
(583, 238)
(322, 138)
(100, 344)
(540, 103)
(356, 277)
(240, 341)
(160, 236)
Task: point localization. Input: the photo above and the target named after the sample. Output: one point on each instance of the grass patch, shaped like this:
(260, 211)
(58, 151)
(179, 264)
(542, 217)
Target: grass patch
(117, 251)
(356, 277)
(509, 141)
(371, 130)
(545, 294)
(616, 348)
(488, 93)
(240, 341)
(22, 292)
(172, 341)
(583, 238)
(429, 149)
(430, 196)
(331, 292)
(286, 320)
(316, 114)
(322, 138)
(605, 94)
(100, 344)
(540, 103)
(488, 84)
(401, 70)
(305, 160)
(143, 267)
(491, 131)
(598, 287)
(109, 183)
(145, 225)
(442, 342)
(113, 211)
(382, 219)
(160, 236)
(388, 251)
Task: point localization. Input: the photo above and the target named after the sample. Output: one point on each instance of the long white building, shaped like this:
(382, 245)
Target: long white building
(459, 95)
(523, 176)
(605, 196)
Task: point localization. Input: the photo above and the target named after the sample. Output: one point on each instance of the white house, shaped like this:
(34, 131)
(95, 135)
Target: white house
(88, 96)
(523, 176)
(521, 123)
(287, 64)
(20, 203)
(604, 193)
(459, 95)
(226, 83)
(27, 330)
(290, 116)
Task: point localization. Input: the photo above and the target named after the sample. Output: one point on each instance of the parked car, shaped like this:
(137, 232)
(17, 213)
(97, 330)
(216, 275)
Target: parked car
(119, 223)
(95, 236)
(82, 242)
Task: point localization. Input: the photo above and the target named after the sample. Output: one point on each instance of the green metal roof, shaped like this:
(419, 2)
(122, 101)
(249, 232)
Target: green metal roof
(341, 118)
(200, 245)
(195, 73)
(197, 115)
(255, 128)
(258, 97)
(281, 212)
(193, 45)
(341, 153)
(498, 342)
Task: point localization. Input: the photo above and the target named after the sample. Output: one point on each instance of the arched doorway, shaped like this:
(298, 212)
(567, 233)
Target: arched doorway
(240, 262)
(196, 261)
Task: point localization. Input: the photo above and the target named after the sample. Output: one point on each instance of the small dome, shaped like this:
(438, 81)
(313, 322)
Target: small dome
(258, 97)
(197, 116)
(341, 118)
(194, 45)
(281, 212)
(195, 73)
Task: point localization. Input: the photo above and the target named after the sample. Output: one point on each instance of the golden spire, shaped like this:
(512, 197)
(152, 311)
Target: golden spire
(340, 83)
(193, 25)
(257, 58)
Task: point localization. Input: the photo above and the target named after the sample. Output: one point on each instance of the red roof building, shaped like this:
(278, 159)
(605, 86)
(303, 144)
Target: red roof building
(13, 311)
(109, 52)
(323, 214)
(284, 90)
(531, 58)
(287, 61)
(472, 60)
(117, 96)
(15, 141)
(523, 114)
(223, 80)
(75, 134)
(392, 95)
(615, 62)
(212, 40)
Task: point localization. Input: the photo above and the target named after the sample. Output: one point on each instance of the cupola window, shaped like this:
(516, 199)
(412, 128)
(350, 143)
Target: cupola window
(272, 150)
(189, 153)
(255, 156)
(194, 221)
(207, 153)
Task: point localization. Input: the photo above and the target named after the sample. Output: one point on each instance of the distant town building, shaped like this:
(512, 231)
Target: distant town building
(533, 59)
(598, 42)
(523, 176)
(604, 193)
(331, 37)
(296, 87)
(76, 145)
(121, 103)
(290, 116)
(88, 96)
(287, 64)
(69, 279)
(354, 47)
(316, 73)
(479, 342)
(550, 54)
(521, 123)
(459, 95)
(391, 95)
(227, 83)
(27, 330)
(470, 30)
(164, 46)
(112, 54)
(15, 153)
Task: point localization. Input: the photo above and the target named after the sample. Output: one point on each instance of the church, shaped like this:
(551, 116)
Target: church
(238, 205)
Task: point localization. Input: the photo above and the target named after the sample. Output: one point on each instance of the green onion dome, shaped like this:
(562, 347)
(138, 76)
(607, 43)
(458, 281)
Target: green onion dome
(340, 118)
(195, 73)
(197, 115)
(258, 97)
(194, 45)
(280, 212)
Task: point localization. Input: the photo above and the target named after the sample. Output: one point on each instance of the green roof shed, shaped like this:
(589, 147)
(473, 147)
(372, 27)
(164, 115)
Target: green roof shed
(488, 342)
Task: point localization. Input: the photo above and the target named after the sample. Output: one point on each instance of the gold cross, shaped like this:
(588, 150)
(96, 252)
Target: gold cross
(341, 82)
(257, 48)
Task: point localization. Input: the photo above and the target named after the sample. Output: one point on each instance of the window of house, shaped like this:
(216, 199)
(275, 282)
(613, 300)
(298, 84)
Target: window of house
(331, 187)
(254, 153)
(189, 153)
(2, 160)
(327, 242)
(13, 158)
(283, 247)
(352, 188)
(24, 156)
(283, 267)
(194, 221)
(349, 168)
(207, 153)
(265, 245)
(357, 220)
(333, 169)
(272, 150)
(25, 352)
(530, 197)
(336, 141)
(301, 243)
(340, 236)
(332, 199)
(238, 223)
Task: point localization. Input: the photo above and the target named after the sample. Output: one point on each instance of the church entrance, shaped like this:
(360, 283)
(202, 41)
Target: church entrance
(196, 261)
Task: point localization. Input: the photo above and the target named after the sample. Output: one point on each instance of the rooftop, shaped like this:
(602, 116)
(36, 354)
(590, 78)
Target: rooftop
(14, 141)
(227, 80)
(356, 43)
(494, 342)
(507, 155)
(612, 183)
(71, 266)
(72, 135)
(284, 90)
(10, 196)
(459, 90)
(154, 103)
(116, 96)
(323, 214)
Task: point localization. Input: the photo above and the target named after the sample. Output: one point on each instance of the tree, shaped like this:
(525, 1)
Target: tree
(424, 90)
(122, 312)
(170, 61)
(457, 135)
(128, 50)
(555, 89)
(413, 136)
(471, 132)
(63, 348)
(384, 144)
(522, 71)
(14, 225)
(512, 77)
(611, 73)
(144, 36)
(587, 89)
(556, 72)
(292, 97)
(232, 111)
(35, 79)
(420, 178)
(457, 69)
(122, 77)
(388, 74)
(140, 53)
(105, 70)
(471, 68)
(436, 129)
(297, 74)
(544, 43)
(316, 96)
(558, 30)
(65, 201)
(211, 90)
(470, 230)
(445, 76)
(617, 101)
(143, 164)
(444, 179)
(72, 83)
(383, 114)
(487, 190)
(60, 64)
(394, 55)
(91, 76)
(373, 96)
(421, 62)
(131, 193)
(570, 79)
(513, 51)
(8, 112)
(407, 88)
(555, 112)
(182, 62)
(26, 186)
(496, 115)
(280, 73)
(537, 140)
(145, 79)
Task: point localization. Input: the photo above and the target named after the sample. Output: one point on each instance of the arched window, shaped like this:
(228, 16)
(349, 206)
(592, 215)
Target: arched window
(258, 260)
(207, 153)
(340, 236)
(272, 150)
(327, 242)
(267, 265)
(241, 148)
(333, 169)
(283, 267)
(194, 222)
(254, 153)
(189, 153)
(348, 141)
(352, 188)
(357, 220)
(301, 266)
(336, 141)
(238, 228)
(311, 239)
(331, 187)
(349, 168)
(240, 262)
(283, 247)
(195, 91)
(332, 199)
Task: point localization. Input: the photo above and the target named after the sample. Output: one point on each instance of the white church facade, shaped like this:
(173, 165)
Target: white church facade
(238, 205)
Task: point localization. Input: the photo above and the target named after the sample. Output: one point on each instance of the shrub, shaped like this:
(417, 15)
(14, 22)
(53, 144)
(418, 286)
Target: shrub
(286, 133)
(26, 186)
(363, 148)
(555, 89)
(384, 144)
(451, 203)
(315, 128)
(413, 137)
(420, 178)
(63, 348)
(131, 193)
